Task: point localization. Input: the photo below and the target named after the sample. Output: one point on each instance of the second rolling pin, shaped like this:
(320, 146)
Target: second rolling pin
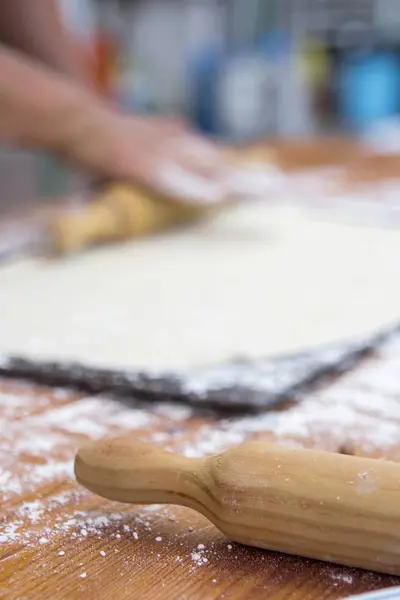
(119, 213)
(123, 212)
(331, 507)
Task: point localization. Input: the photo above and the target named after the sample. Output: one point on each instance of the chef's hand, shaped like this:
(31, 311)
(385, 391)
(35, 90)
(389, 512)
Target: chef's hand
(46, 102)
(68, 119)
(164, 155)
(167, 156)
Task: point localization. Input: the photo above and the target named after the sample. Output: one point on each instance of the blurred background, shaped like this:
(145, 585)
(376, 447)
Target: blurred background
(239, 70)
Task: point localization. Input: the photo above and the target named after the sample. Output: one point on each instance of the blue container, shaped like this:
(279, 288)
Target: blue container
(369, 89)
(204, 69)
(276, 45)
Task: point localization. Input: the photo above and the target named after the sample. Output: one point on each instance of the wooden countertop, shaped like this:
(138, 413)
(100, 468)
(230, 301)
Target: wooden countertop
(59, 541)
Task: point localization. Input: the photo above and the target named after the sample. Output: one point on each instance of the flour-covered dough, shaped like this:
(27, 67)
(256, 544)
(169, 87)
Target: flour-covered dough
(254, 281)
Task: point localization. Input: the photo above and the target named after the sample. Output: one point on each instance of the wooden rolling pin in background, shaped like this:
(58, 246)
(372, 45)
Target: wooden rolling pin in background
(123, 212)
(331, 507)
(119, 213)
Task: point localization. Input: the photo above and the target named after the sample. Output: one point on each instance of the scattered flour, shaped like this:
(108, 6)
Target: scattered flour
(345, 577)
(47, 436)
(198, 558)
(327, 190)
(358, 408)
(361, 408)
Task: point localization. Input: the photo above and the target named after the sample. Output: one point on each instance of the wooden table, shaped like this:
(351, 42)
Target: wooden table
(59, 541)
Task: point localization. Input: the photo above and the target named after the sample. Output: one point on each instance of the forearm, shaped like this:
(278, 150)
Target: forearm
(35, 28)
(39, 108)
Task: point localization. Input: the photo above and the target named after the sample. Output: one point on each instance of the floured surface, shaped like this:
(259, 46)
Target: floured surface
(254, 281)
(238, 386)
(59, 541)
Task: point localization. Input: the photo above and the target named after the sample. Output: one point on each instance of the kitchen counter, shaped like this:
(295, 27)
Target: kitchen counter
(58, 541)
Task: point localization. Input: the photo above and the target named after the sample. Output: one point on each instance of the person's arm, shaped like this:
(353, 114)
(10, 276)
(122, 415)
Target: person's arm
(36, 29)
(42, 109)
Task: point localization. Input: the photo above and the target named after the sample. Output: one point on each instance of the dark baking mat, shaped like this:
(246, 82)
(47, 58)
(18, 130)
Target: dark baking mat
(235, 386)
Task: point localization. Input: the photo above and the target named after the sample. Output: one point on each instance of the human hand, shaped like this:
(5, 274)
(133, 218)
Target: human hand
(166, 156)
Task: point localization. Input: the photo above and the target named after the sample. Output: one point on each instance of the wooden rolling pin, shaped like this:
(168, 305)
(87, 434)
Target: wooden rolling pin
(123, 212)
(119, 213)
(331, 507)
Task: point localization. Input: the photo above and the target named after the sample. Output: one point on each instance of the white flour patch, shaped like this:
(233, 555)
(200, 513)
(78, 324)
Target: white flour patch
(348, 411)
(37, 445)
(52, 437)
(198, 558)
(31, 510)
(39, 450)
(175, 412)
(345, 577)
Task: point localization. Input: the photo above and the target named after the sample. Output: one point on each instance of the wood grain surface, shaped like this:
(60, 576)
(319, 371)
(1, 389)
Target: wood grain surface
(59, 541)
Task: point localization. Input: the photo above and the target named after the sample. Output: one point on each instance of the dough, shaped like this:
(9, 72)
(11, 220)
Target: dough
(254, 281)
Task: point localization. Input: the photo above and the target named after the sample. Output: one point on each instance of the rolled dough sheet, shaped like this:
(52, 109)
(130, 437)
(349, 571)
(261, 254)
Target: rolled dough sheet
(255, 281)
